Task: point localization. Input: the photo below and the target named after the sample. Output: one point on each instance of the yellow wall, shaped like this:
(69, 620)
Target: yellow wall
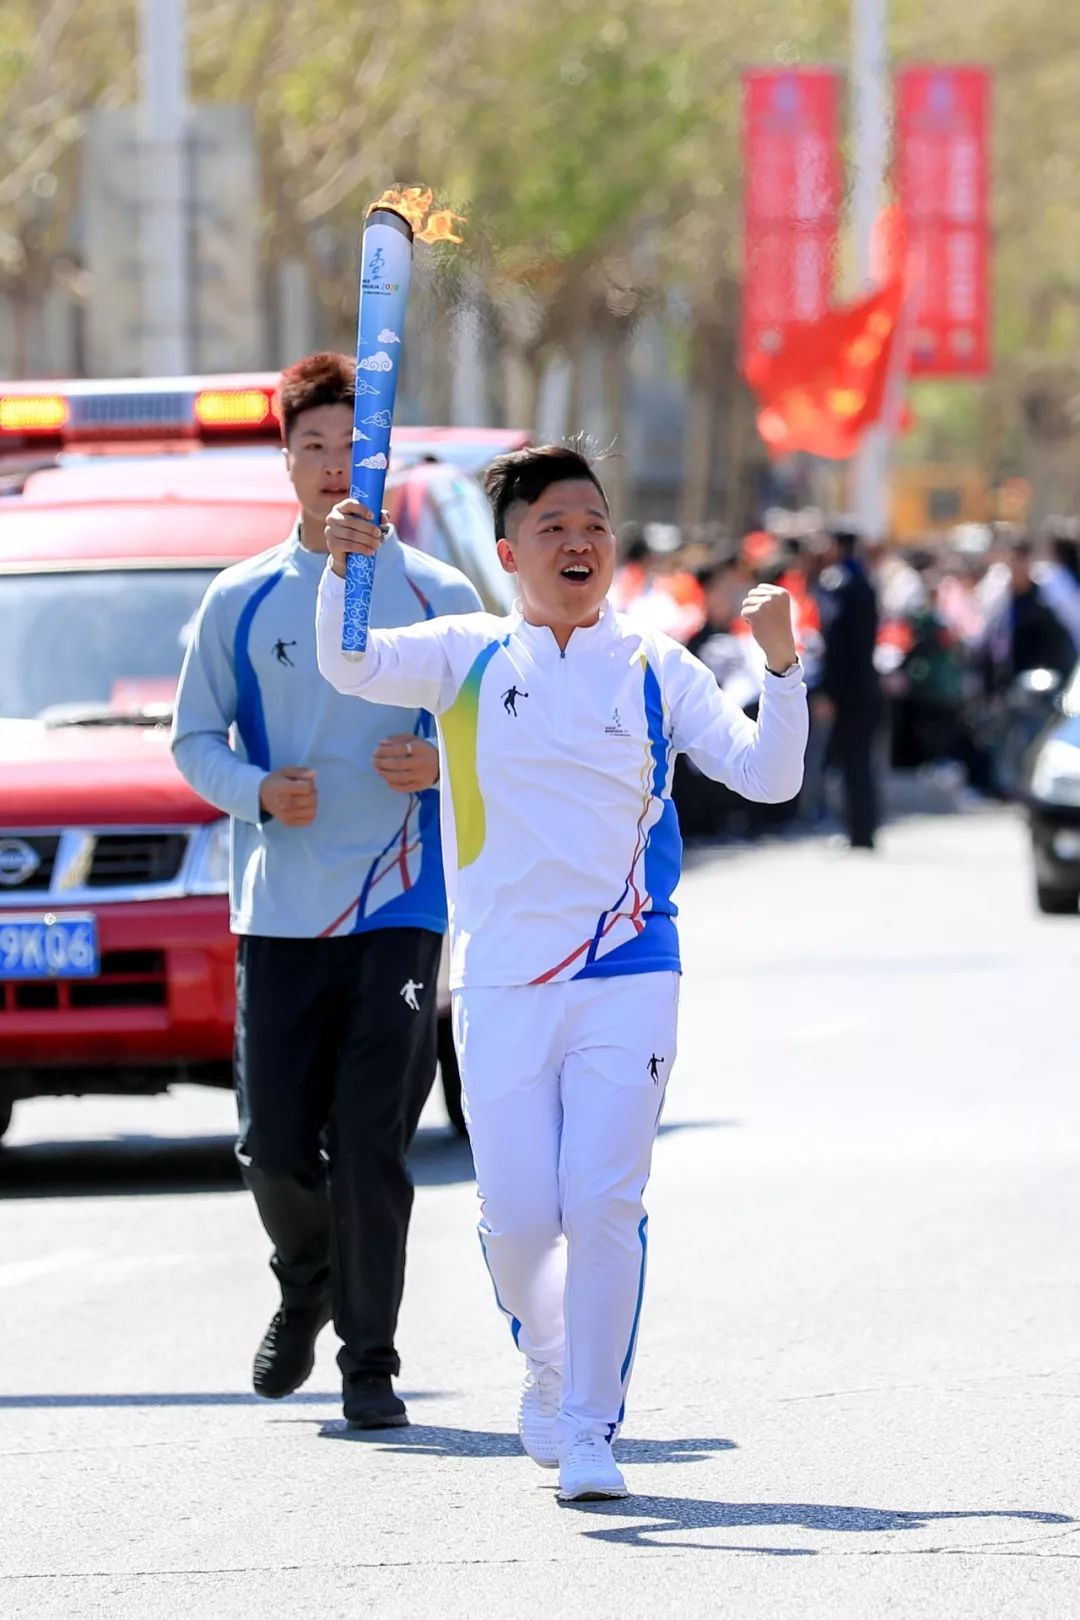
(928, 501)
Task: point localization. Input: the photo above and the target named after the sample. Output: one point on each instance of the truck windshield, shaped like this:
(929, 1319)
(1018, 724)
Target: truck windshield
(111, 640)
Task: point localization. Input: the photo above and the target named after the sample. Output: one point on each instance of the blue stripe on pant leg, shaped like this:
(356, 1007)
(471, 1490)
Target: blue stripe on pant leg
(629, 1357)
(515, 1325)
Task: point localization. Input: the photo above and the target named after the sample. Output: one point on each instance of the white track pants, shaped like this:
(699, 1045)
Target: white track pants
(563, 1086)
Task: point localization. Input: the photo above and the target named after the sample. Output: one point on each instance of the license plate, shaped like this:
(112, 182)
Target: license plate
(49, 947)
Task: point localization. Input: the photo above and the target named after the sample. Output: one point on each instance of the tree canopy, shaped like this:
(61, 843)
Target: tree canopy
(594, 145)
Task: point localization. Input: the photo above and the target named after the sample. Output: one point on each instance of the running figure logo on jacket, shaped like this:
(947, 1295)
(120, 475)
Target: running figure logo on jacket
(654, 1068)
(510, 700)
(280, 650)
(408, 993)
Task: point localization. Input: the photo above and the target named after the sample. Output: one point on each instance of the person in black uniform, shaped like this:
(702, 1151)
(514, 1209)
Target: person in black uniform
(1026, 633)
(848, 695)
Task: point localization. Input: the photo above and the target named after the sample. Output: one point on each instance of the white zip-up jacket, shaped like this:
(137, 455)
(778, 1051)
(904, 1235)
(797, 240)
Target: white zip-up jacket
(561, 844)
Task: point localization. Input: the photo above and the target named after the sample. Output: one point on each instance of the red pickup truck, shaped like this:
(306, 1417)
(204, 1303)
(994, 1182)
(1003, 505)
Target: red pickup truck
(116, 963)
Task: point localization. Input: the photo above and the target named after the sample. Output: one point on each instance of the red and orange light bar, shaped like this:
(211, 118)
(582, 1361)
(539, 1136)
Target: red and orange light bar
(234, 408)
(27, 414)
(84, 413)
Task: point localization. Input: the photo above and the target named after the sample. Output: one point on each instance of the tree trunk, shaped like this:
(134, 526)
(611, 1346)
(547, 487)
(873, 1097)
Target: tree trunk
(576, 391)
(700, 433)
(1052, 467)
(743, 458)
(521, 387)
(439, 390)
(20, 333)
(615, 372)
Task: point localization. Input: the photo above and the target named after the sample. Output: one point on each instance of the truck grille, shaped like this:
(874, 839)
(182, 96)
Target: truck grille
(127, 979)
(60, 867)
(135, 858)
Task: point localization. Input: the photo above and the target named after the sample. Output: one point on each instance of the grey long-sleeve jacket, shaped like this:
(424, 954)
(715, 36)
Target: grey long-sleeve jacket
(371, 858)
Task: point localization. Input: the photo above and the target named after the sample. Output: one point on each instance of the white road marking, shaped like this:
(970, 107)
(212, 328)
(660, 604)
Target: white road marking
(15, 1272)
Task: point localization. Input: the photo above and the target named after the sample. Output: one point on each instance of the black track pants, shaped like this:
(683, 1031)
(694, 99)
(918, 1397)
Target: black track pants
(335, 1056)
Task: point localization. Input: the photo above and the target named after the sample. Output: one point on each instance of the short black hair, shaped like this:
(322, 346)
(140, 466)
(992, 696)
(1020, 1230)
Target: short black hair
(319, 379)
(633, 546)
(846, 540)
(718, 567)
(523, 475)
(1017, 545)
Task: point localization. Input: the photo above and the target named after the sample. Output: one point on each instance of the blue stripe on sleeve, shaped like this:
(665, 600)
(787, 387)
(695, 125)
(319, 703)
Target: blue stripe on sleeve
(250, 719)
(663, 853)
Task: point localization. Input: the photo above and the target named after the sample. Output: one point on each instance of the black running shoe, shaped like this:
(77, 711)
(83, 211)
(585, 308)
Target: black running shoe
(286, 1355)
(370, 1403)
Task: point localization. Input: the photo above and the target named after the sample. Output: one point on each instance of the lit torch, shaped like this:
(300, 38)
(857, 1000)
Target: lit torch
(394, 222)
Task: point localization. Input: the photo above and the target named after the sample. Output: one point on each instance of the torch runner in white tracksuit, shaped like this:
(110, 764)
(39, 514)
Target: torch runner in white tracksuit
(558, 727)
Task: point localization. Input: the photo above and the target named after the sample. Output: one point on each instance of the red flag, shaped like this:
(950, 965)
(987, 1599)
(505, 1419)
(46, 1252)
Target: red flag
(826, 386)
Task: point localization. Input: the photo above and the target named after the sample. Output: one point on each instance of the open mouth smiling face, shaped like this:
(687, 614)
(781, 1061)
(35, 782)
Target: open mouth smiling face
(563, 552)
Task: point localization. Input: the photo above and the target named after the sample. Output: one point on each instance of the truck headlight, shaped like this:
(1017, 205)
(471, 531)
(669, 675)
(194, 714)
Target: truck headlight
(1056, 777)
(208, 872)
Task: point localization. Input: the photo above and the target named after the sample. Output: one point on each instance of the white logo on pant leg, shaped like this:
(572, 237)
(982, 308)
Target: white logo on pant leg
(408, 991)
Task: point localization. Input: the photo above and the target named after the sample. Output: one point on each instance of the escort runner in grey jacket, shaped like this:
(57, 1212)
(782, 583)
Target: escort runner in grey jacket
(371, 858)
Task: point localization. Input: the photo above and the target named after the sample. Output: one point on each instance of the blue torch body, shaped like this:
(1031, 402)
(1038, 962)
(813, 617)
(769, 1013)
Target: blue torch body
(385, 266)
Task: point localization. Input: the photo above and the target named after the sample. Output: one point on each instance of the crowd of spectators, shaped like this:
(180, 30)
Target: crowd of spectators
(935, 659)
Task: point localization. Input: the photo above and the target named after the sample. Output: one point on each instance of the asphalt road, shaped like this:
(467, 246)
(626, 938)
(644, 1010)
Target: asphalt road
(856, 1393)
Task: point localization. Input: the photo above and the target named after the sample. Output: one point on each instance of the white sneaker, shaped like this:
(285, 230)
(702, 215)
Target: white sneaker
(587, 1470)
(541, 1392)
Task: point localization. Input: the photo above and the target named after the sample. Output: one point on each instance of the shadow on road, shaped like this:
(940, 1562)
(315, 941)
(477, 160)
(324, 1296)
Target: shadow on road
(440, 1159)
(426, 1440)
(667, 1514)
(138, 1165)
(126, 1164)
(189, 1398)
(142, 1164)
(672, 1127)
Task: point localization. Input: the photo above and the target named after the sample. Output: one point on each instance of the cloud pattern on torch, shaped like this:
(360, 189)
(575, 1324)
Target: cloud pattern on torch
(385, 266)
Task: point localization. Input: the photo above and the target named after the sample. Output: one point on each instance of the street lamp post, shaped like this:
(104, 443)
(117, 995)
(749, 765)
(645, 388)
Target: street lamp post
(871, 103)
(164, 225)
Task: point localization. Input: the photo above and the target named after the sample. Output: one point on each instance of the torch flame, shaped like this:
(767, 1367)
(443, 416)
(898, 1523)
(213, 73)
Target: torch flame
(414, 205)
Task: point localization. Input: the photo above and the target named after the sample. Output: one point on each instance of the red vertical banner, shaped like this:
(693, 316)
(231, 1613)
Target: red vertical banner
(792, 199)
(943, 139)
